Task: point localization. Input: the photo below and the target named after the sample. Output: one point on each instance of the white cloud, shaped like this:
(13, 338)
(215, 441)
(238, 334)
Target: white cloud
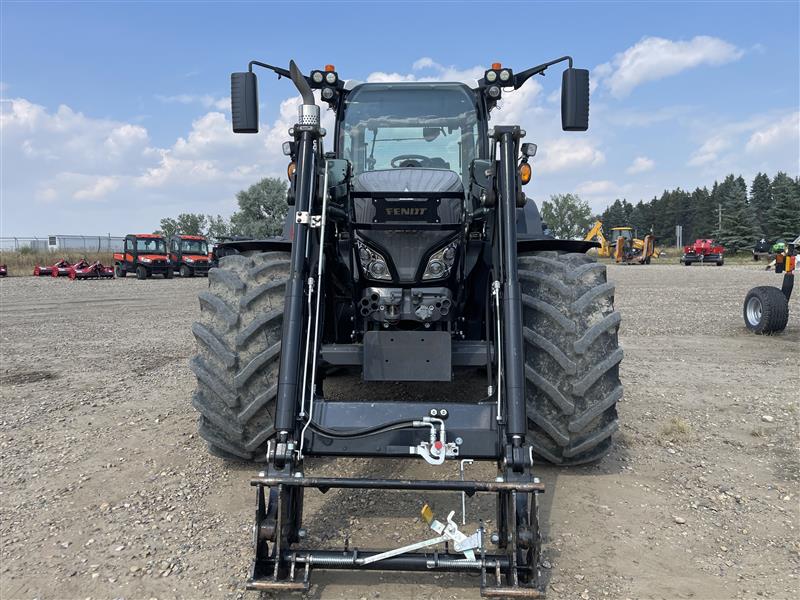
(101, 187)
(766, 142)
(654, 58)
(709, 151)
(785, 132)
(442, 73)
(424, 63)
(205, 100)
(567, 153)
(594, 188)
(640, 164)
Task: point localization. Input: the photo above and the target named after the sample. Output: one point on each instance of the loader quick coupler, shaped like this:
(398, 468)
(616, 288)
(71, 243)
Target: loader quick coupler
(509, 571)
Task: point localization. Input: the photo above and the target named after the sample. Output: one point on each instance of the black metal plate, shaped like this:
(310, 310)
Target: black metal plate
(407, 356)
(406, 210)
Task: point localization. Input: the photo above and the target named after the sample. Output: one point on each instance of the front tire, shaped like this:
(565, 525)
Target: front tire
(765, 310)
(141, 273)
(572, 356)
(119, 271)
(238, 353)
(185, 271)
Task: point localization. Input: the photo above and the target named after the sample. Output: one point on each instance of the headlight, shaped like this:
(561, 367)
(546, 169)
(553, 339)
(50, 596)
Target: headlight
(505, 75)
(330, 78)
(491, 76)
(146, 260)
(189, 260)
(440, 263)
(373, 263)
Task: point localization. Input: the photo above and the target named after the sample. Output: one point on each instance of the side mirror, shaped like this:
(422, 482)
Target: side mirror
(481, 186)
(575, 100)
(244, 102)
(338, 171)
(478, 170)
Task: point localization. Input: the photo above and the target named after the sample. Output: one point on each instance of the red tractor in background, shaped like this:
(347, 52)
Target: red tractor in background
(703, 251)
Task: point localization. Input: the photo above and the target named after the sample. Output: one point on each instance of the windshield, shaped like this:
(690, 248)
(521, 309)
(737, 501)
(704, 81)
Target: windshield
(151, 245)
(194, 247)
(390, 126)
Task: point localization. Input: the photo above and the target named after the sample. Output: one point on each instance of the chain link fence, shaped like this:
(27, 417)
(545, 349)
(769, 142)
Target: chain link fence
(55, 243)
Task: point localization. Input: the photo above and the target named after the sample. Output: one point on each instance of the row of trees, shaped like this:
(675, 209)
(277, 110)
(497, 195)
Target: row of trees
(261, 213)
(727, 212)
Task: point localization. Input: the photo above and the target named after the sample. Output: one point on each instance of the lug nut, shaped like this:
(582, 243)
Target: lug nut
(494, 538)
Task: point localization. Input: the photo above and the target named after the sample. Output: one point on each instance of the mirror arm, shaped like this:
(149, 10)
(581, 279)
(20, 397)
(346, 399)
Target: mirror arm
(520, 78)
(280, 71)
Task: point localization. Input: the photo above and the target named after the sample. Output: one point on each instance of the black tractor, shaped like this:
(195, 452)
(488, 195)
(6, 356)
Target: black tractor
(413, 255)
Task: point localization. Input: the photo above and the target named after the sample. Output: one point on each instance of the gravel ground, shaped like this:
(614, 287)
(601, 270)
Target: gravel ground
(107, 492)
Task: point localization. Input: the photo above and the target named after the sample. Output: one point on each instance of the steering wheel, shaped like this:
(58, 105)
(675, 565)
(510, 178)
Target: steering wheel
(418, 159)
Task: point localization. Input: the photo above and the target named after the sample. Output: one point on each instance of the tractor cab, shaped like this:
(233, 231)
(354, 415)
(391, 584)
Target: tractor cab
(410, 147)
(621, 232)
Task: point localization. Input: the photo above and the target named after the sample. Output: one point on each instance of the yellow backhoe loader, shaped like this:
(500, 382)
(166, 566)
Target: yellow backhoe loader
(624, 248)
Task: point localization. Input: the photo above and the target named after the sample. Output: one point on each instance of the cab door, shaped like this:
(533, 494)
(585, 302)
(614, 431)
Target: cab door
(130, 254)
(174, 253)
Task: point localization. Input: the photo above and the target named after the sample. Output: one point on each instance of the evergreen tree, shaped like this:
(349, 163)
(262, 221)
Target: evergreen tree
(739, 227)
(704, 215)
(783, 218)
(761, 201)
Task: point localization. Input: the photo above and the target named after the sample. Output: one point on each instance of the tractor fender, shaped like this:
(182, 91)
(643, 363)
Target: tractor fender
(531, 236)
(267, 245)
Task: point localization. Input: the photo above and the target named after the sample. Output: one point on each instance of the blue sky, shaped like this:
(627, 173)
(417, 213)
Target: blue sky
(115, 114)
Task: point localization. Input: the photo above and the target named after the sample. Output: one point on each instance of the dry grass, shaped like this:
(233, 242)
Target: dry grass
(21, 264)
(677, 430)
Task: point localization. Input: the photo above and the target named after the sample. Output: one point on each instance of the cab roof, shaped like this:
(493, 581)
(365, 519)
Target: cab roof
(192, 237)
(146, 235)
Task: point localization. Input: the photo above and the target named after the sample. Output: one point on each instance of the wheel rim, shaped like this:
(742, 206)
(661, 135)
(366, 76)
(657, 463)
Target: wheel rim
(754, 311)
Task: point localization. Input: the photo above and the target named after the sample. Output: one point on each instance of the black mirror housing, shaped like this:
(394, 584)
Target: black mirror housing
(244, 102)
(575, 100)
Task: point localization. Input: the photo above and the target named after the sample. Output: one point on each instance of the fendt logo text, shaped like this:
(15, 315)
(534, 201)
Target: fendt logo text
(414, 211)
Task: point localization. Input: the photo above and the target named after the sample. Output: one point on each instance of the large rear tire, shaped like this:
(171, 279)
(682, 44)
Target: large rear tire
(239, 343)
(572, 356)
